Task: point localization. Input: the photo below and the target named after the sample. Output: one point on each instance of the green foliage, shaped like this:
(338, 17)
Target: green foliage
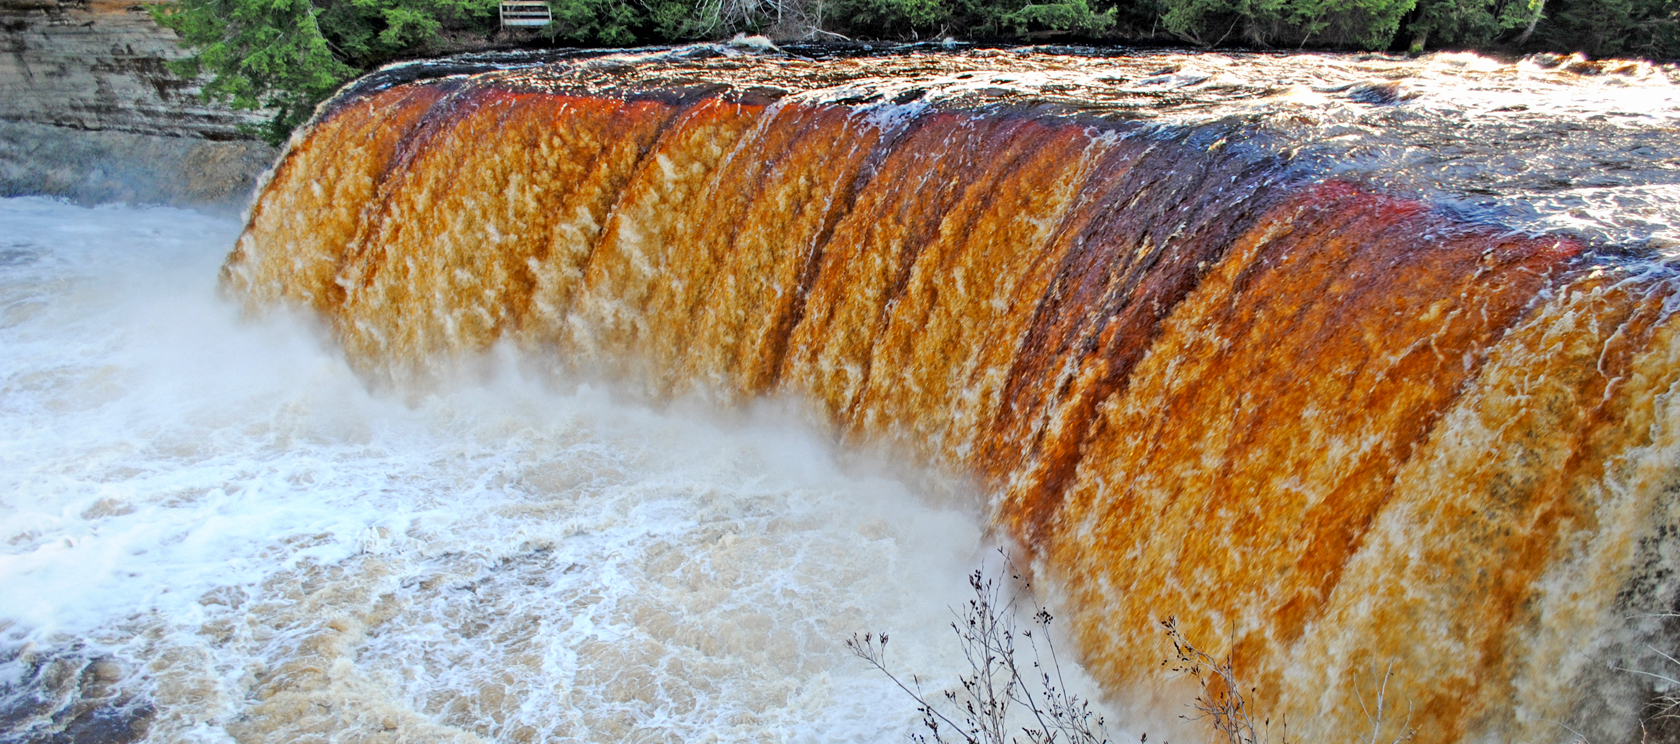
(1598, 28)
(258, 54)
(371, 32)
(1369, 24)
(1071, 15)
(609, 22)
(967, 18)
(881, 18)
(1471, 22)
(1138, 18)
(1604, 28)
(286, 56)
(671, 20)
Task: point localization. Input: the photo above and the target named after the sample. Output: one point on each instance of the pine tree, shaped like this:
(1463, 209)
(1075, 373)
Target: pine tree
(286, 56)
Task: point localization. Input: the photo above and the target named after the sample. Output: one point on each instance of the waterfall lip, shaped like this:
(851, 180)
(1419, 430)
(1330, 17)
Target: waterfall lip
(1536, 144)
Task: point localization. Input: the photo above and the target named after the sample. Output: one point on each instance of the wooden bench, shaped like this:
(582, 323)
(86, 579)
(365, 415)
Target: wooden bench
(525, 13)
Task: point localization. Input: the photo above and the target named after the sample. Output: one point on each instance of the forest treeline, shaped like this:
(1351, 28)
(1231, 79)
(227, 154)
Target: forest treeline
(284, 56)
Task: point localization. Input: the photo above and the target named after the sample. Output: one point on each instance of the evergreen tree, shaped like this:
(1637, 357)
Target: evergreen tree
(286, 56)
(258, 55)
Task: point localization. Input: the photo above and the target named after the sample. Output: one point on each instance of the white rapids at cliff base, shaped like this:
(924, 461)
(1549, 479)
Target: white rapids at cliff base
(210, 530)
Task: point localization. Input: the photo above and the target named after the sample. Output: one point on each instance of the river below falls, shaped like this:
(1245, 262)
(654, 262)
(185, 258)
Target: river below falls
(211, 530)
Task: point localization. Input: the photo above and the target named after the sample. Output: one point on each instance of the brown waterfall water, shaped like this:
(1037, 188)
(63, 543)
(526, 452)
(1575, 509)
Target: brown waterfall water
(1312, 353)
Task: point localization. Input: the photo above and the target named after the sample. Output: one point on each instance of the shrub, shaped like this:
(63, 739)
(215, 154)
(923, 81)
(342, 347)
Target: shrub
(257, 55)
(967, 18)
(1471, 22)
(595, 21)
(996, 681)
(1607, 28)
(1221, 703)
(977, 711)
(1369, 24)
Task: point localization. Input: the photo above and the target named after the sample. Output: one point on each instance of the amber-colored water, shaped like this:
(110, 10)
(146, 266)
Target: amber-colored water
(1337, 434)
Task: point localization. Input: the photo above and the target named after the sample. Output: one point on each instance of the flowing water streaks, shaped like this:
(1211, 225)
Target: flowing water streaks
(1193, 318)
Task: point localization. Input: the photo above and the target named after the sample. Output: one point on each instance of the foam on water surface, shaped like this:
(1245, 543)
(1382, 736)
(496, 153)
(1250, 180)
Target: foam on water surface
(213, 531)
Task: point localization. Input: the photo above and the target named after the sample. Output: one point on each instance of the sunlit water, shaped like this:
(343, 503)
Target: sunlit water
(212, 530)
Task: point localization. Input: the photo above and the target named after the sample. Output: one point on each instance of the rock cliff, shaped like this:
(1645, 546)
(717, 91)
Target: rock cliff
(90, 111)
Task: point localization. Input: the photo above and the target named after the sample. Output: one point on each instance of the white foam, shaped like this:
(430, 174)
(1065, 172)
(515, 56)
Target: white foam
(268, 550)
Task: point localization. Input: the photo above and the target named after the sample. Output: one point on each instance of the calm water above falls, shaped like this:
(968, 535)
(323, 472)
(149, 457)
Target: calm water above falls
(212, 531)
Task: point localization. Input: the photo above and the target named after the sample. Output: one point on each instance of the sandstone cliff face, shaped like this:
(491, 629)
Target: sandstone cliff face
(90, 111)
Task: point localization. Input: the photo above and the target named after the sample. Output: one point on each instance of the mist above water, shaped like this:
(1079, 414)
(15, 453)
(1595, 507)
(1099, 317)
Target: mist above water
(212, 530)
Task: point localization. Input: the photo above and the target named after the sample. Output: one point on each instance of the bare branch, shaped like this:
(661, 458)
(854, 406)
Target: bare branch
(997, 679)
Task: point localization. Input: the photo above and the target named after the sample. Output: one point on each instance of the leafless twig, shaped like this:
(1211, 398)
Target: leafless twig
(1223, 705)
(996, 680)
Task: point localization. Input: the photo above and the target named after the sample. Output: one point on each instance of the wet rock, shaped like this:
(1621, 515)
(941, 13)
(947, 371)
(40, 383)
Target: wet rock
(68, 698)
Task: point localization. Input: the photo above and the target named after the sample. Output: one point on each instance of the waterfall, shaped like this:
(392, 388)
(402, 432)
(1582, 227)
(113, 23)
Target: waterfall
(1344, 434)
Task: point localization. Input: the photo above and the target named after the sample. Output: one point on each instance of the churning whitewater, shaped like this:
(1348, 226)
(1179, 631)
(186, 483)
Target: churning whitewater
(212, 531)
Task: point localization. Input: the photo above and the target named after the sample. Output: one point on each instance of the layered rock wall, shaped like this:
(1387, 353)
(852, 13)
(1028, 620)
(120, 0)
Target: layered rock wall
(90, 111)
